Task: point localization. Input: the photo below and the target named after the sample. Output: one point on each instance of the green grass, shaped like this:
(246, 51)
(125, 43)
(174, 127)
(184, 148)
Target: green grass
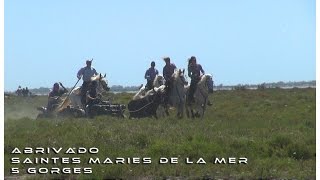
(273, 128)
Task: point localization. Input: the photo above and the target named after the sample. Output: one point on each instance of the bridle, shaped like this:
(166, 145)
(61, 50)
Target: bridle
(104, 85)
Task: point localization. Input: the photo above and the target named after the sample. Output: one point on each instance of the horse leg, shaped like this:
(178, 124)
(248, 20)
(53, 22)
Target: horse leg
(162, 111)
(166, 110)
(187, 112)
(202, 113)
(155, 115)
(180, 111)
(203, 109)
(192, 114)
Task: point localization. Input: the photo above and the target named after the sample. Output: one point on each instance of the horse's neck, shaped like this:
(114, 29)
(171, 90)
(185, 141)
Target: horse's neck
(156, 82)
(202, 89)
(178, 87)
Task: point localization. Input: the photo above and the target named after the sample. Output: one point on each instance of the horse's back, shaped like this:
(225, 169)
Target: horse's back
(139, 94)
(75, 97)
(76, 91)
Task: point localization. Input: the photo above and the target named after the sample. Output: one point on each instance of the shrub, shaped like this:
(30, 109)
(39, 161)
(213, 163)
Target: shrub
(299, 152)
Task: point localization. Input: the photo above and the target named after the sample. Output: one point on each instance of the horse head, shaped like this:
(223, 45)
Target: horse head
(180, 77)
(158, 81)
(159, 95)
(208, 82)
(102, 81)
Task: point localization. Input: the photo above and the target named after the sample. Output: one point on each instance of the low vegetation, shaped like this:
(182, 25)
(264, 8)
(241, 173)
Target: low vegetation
(273, 128)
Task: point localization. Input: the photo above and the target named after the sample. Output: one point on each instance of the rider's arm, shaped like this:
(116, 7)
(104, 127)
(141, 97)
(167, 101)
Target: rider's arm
(89, 97)
(146, 74)
(164, 72)
(174, 66)
(202, 71)
(189, 71)
(64, 89)
(51, 97)
(80, 73)
(94, 71)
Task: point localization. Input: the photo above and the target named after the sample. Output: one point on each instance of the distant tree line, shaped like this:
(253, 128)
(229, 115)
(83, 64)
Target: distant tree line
(119, 88)
(114, 88)
(280, 84)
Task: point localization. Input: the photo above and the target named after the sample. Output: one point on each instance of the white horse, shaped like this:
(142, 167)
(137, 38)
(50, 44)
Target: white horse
(177, 94)
(201, 94)
(102, 86)
(157, 83)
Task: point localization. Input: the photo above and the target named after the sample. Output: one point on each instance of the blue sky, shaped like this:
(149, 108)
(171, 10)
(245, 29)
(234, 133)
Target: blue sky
(245, 41)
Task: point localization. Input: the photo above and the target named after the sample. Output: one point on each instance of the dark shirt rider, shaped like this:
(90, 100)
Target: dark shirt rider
(92, 95)
(150, 75)
(55, 94)
(194, 72)
(168, 70)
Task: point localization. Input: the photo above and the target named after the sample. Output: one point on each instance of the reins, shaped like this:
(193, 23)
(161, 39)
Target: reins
(141, 107)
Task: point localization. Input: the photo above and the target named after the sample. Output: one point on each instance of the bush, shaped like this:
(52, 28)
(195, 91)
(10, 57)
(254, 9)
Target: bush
(240, 87)
(299, 152)
(262, 86)
(280, 141)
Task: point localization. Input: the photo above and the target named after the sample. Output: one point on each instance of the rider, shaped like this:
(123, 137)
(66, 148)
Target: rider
(150, 75)
(55, 94)
(27, 92)
(86, 73)
(19, 91)
(92, 97)
(168, 70)
(194, 70)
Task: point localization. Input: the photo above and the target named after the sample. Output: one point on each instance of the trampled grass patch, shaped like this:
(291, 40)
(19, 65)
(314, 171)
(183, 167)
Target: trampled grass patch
(273, 128)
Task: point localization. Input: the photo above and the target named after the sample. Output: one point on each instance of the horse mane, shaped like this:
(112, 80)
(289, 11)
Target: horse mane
(156, 79)
(176, 73)
(99, 77)
(96, 77)
(204, 78)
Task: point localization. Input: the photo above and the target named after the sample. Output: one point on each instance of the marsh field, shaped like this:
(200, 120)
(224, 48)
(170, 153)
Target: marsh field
(275, 129)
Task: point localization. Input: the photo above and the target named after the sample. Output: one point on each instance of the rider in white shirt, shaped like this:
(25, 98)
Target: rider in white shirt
(86, 73)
